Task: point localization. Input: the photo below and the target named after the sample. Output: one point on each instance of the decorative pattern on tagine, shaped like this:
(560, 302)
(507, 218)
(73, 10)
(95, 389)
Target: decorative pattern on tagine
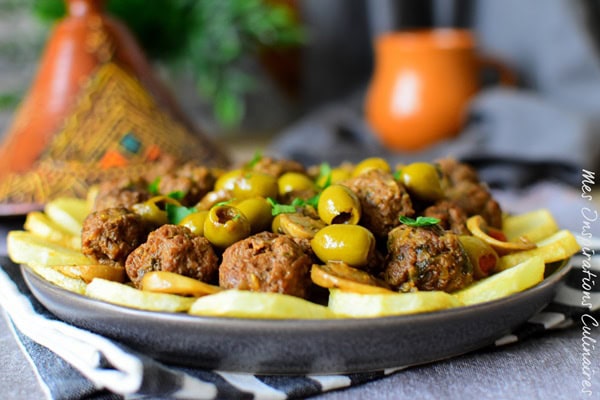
(116, 128)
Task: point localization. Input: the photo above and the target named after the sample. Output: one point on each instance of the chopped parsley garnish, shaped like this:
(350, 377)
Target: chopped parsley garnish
(324, 173)
(153, 186)
(277, 208)
(255, 159)
(397, 174)
(176, 195)
(420, 221)
(176, 213)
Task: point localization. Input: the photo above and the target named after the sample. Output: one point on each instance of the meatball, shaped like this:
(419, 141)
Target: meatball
(191, 180)
(272, 166)
(466, 191)
(451, 217)
(109, 235)
(426, 258)
(382, 200)
(266, 262)
(122, 192)
(175, 249)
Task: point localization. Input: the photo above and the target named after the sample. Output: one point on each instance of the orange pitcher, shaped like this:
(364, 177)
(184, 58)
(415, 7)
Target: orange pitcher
(421, 85)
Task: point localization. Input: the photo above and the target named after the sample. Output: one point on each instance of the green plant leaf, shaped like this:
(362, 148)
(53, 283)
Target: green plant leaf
(419, 222)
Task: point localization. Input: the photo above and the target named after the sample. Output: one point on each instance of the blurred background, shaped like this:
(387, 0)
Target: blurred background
(250, 70)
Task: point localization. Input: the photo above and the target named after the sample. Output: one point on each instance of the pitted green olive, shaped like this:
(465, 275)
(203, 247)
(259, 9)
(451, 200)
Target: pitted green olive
(483, 257)
(227, 180)
(422, 179)
(294, 182)
(253, 184)
(371, 163)
(258, 212)
(195, 222)
(337, 175)
(352, 244)
(225, 225)
(153, 210)
(339, 205)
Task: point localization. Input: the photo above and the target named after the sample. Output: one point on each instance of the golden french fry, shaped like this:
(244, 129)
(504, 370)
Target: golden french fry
(39, 224)
(516, 279)
(533, 226)
(68, 212)
(26, 248)
(360, 305)
(124, 295)
(246, 304)
(170, 282)
(88, 272)
(53, 276)
(556, 247)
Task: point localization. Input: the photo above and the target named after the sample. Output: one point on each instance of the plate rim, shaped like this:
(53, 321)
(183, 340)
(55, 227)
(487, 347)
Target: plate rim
(560, 271)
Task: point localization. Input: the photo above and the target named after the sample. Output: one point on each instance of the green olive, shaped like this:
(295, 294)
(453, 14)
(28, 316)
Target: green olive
(294, 182)
(253, 184)
(422, 180)
(225, 225)
(339, 205)
(371, 163)
(483, 257)
(258, 212)
(227, 180)
(195, 222)
(352, 244)
(213, 197)
(276, 224)
(153, 209)
(337, 175)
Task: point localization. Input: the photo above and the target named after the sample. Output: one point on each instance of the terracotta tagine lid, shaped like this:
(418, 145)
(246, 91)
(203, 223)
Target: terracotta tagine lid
(90, 60)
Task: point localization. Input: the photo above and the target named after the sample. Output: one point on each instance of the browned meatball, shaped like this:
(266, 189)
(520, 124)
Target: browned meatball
(426, 258)
(121, 192)
(109, 235)
(175, 249)
(382, 200)
(266, 262)
(451, 217)
(275, 167)
(464, 189)
(191, 180)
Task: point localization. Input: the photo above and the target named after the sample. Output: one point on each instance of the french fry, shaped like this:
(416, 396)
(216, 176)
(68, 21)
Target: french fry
(533, 226)
(124, 295)
(170, 282)
(51, 275)
(68, 212)
(246, 304)
(89, 272)
(39, 224)
(556, 247)
(361, 305)
(516, 279)
(26, 248)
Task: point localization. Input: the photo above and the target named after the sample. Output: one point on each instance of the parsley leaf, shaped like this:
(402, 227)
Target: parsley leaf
(420, 221)
(153, 187)
(176, 213)
(277, 208)
(324, 173)
(176, 195)
(255, 159)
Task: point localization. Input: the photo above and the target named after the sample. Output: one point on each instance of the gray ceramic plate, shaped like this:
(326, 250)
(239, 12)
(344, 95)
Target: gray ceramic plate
(300, 346)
